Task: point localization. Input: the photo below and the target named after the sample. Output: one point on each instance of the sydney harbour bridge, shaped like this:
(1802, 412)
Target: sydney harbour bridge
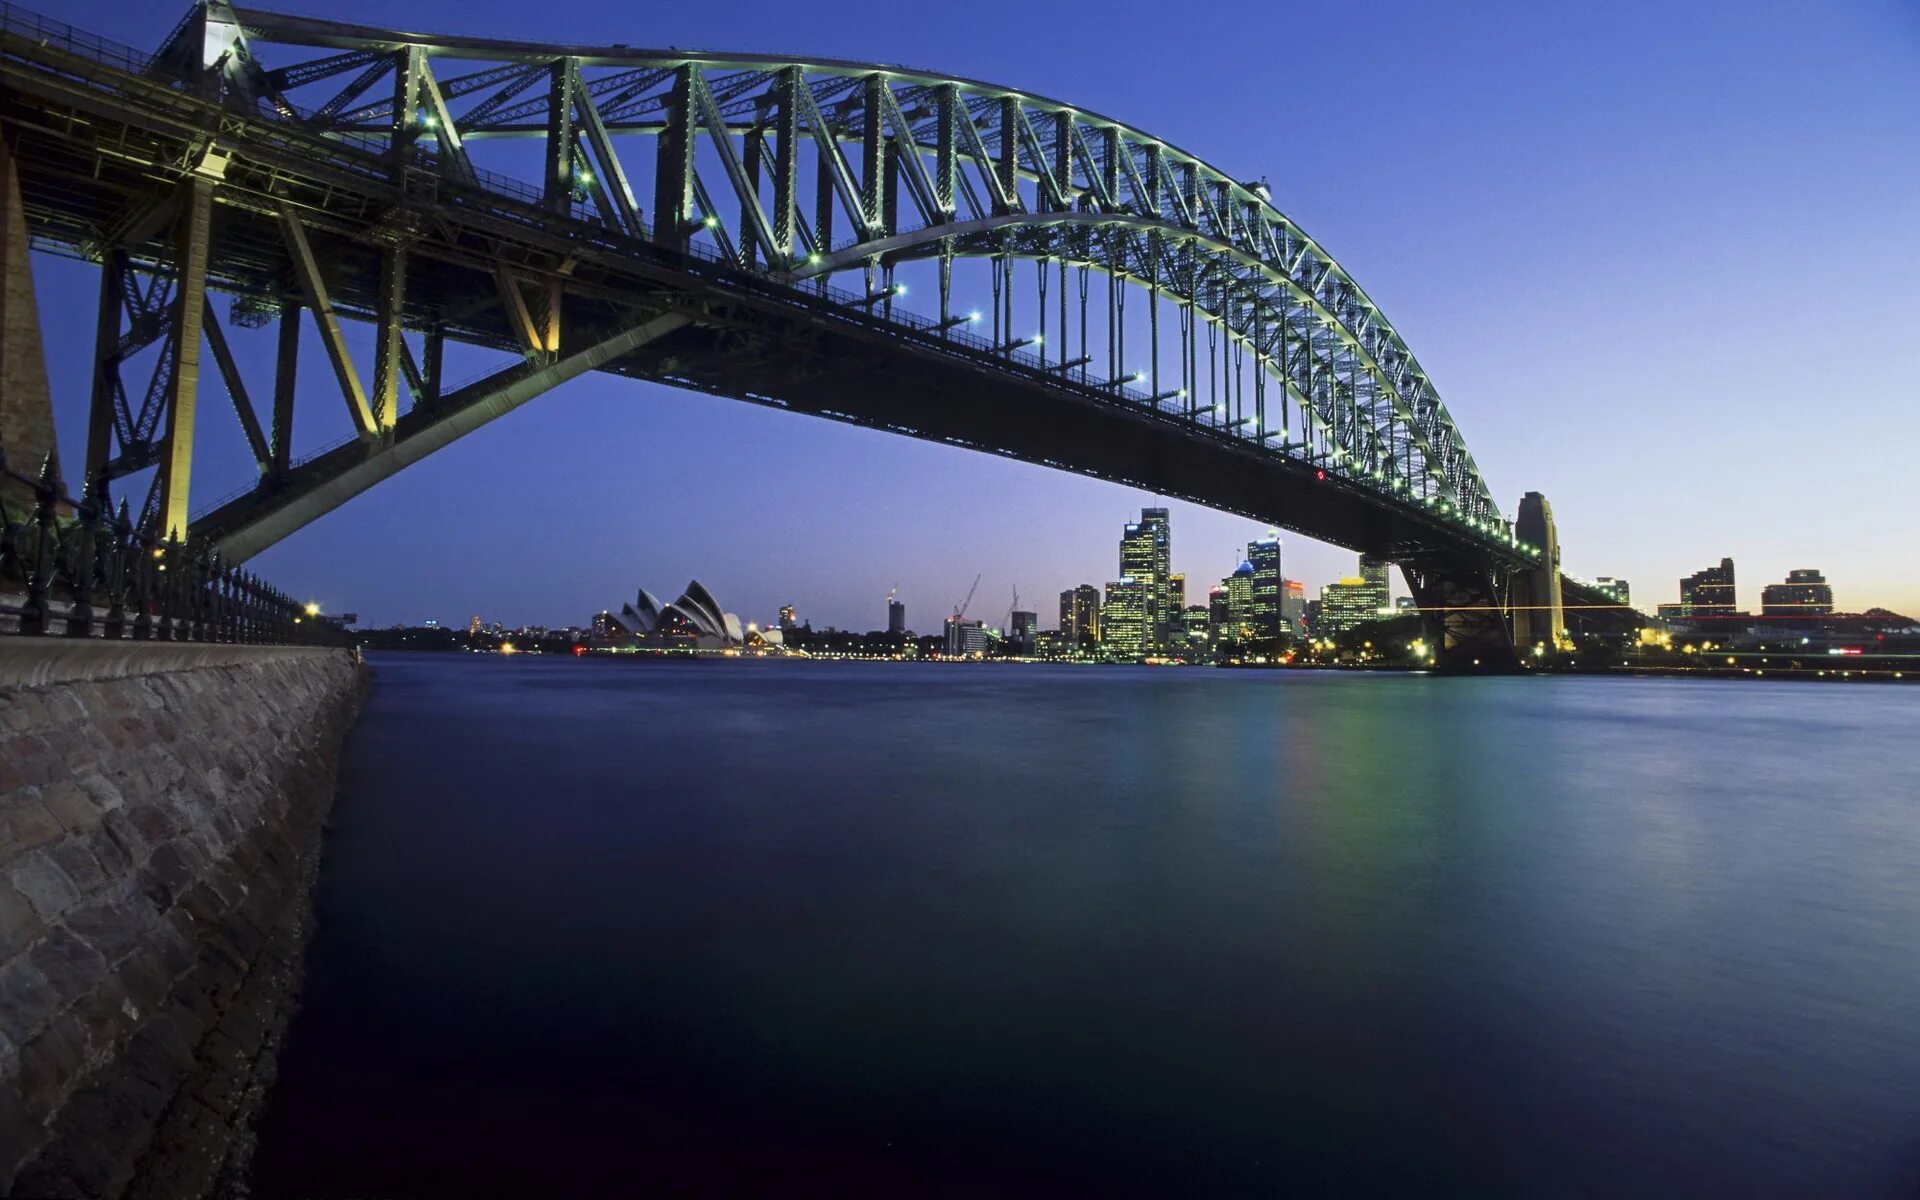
(941, 258)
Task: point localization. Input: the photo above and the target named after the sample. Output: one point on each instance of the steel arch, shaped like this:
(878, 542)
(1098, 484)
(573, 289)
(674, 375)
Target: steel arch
(972, 159)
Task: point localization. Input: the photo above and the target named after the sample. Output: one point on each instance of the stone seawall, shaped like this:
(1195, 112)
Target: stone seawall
(160, 816)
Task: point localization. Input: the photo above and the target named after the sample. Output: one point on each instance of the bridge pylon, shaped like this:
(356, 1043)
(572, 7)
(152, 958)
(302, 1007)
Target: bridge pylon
(1539, 611)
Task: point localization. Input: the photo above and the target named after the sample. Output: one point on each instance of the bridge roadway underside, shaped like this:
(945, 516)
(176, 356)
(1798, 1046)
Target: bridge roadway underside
(93, 164)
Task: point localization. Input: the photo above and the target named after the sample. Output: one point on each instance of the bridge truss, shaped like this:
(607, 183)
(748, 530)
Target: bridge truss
(1084, 294)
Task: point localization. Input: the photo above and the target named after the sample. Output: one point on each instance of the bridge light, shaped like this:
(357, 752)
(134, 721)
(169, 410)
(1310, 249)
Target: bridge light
(973, 316)
(1039, 339)
(313, 610)
(428, 120)
(1320, 475)
(814, 259)
(586, 176)
(899, 289)
(710, 221)
(1181, 394)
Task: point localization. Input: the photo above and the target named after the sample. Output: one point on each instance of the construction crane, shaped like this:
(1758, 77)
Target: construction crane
(960, 609)
(1012, 609)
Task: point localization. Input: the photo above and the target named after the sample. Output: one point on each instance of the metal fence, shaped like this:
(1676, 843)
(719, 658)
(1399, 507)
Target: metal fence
(74, 568)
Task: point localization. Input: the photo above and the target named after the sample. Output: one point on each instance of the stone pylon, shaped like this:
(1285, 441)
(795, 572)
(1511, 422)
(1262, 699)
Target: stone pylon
(1539, 614)
(26, 401)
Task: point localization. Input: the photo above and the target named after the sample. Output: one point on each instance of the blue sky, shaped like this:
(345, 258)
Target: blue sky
(1660, 258)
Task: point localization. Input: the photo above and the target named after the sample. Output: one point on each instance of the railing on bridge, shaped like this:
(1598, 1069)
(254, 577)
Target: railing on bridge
(72, 568)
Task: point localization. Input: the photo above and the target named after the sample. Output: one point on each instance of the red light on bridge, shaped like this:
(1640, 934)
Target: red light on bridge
(1320, 474)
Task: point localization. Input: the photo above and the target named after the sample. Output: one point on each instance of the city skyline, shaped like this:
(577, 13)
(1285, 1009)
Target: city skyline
(1643, 419)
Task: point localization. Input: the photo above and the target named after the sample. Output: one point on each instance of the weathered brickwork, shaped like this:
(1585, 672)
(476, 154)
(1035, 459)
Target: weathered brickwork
(158, 836)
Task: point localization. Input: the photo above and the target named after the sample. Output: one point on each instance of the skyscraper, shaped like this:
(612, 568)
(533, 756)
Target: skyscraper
(1219, 615)
(1145, 557)
(1293, 605)
(1708, 592)
(1176, 604)
(1123, 619)
(1022, 627)
(1373, 573)
(1080, 614)
(1806, 593)
(1240, 601)
(787, 620)
(1264, 602)
(896, 616)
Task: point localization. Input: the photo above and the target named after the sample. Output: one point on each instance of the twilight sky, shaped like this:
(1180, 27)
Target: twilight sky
(1662, 260)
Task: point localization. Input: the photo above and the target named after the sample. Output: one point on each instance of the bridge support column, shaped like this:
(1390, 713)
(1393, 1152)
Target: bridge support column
(1464, 606)
(26, 402)
(190, 297)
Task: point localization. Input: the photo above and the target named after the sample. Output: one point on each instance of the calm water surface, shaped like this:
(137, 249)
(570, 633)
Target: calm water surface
(755, 928)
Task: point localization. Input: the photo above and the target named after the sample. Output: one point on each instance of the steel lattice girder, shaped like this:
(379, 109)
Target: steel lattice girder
(986, 174)
(1120, 178)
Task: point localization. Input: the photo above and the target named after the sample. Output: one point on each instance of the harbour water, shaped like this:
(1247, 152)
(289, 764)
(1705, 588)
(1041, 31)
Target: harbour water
(592, 927)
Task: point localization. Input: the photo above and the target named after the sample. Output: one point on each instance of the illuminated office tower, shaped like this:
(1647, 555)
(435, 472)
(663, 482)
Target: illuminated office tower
(1708, 593)
(1373, 573)
(1123, 619)
(1263, 613)
(1293, 605)
(1146, 557)
(1240, 601)
(1080, 614)
(1806, 593)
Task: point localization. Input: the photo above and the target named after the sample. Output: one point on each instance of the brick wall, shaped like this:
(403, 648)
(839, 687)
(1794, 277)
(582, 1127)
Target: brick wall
(160, 817)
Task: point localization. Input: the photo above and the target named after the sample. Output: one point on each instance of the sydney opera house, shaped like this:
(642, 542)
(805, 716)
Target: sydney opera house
(693, 622)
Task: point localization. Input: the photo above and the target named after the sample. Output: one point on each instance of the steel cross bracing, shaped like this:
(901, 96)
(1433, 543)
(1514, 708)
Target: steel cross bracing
(339, 177)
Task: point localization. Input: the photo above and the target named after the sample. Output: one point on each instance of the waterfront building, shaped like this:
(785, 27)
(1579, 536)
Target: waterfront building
(1264, 616)
(1346, 605)
(1176, 604)
(1021, 629)
(896, 616)
(966, 639)
(787, 619)
(693, 622)
(1123, 619)
(473, 625)
(1806, 593)
(1709, 592)
(1311, 617)
(1193, 629)
(1080, 614)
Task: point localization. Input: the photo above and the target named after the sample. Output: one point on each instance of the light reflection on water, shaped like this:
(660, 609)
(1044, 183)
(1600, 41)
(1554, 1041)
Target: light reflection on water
(756, 926)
